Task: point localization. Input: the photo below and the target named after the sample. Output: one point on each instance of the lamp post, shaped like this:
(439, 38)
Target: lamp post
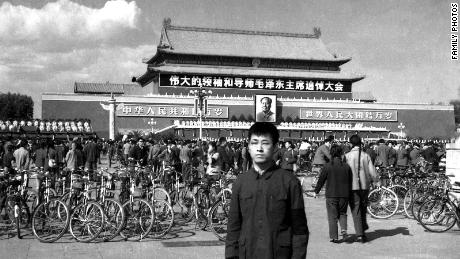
(200, 96)
(401, 126)
(152, 123)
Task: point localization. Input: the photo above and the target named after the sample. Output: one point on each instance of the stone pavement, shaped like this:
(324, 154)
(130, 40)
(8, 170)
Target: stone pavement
(397, 237)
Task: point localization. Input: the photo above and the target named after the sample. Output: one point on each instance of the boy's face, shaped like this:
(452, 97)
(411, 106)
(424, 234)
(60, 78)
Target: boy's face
(261, 148)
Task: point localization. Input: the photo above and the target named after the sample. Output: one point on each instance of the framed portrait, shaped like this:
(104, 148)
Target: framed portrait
(265, 108)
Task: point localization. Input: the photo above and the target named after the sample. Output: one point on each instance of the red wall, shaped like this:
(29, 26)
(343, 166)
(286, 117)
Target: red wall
(419, 123)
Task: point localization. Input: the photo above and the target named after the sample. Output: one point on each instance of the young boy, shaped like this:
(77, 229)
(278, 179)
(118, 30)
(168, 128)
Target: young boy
(267, 215)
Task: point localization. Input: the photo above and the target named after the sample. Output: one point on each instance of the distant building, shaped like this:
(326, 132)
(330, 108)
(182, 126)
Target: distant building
(314, 97)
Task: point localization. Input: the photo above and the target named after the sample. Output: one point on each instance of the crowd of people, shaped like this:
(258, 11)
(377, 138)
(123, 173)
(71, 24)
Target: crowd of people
(221, 155)
(347, 168)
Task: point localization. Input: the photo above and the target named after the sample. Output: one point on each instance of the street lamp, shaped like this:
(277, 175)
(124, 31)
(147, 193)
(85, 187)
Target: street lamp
(152, 123)
(401, 126)
(200, 96)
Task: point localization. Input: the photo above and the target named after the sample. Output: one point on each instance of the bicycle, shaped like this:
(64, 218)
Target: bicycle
(16, 207)
(440, 214)
(50, 218)
(180, 197)
(309, 179)
(156, 192)
(114, 214)
(390, 175)
(139, 213)
(87, 216)
(218, 213)
(383, 203)
(160, 201)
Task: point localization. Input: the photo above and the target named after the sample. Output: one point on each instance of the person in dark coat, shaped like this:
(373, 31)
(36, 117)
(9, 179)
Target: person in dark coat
(322, 155)
(91, 153)
(278, 153)
(429, 154)
(392, 154)
(289, 157)
(139, 152)
(415, 154)
(338, 176)
(383, 152)
(267, 215)
(402, 155)
(370, 151)
(40, 155)
(223, 153)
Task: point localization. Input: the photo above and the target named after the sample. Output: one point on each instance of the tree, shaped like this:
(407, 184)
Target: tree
(16, 107)
(456, 104)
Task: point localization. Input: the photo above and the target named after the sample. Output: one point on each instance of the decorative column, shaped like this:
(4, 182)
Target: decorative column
(111, 106)
(112, 103)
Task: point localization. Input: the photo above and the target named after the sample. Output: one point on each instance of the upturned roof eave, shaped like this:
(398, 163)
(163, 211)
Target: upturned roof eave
(145, 79)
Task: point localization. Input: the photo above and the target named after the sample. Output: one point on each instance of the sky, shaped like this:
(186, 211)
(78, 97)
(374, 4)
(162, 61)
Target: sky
(402, 46)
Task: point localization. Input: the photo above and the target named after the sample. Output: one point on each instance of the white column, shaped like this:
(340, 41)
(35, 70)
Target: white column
(112, 118)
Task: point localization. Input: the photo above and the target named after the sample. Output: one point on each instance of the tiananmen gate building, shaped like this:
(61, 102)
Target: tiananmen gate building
(310, 96)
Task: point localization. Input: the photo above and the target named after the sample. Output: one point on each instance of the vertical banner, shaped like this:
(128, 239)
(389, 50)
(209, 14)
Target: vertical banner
(205, 105)
(196, 106)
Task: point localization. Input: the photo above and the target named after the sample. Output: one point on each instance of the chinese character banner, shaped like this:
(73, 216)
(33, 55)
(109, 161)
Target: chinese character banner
(348, 114)
(285, 84)
(170, 111)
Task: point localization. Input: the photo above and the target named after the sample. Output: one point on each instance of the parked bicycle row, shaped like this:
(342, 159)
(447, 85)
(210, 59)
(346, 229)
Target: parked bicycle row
(148, 203)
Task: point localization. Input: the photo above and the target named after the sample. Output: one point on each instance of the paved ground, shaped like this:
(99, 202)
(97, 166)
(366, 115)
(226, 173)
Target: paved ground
(397, 237)
(394, 238)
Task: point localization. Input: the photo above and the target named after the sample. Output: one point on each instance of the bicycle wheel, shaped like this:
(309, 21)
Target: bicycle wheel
(383, 203)
(218, 219)
(114, 219)
(139, 220)
(24, 214)
(163, 218)
(87, 221)
(417, 202)
(400, 192)
(50, 221)
(437, 216)
(187, 205)
(407, 203)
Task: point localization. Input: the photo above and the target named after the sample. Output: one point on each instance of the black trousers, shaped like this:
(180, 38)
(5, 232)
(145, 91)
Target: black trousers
(358, 206)
(336, 211)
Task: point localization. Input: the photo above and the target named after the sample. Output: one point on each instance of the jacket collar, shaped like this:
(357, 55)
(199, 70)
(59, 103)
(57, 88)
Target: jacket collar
(266, 175)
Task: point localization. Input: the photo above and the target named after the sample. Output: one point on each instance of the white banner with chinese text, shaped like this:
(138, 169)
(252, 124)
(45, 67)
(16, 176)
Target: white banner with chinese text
(348, 114)
(170, 111)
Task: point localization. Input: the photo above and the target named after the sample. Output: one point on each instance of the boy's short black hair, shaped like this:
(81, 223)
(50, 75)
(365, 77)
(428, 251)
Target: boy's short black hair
(264, 128)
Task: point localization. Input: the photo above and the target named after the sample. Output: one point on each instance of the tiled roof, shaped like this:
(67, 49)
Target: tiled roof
(239, 43)
(253, 72)
(101, 88)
